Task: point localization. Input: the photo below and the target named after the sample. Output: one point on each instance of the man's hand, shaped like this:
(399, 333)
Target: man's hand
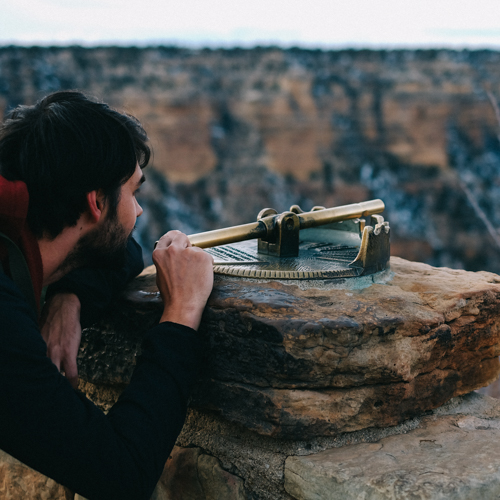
(62, 333)
(185, 276)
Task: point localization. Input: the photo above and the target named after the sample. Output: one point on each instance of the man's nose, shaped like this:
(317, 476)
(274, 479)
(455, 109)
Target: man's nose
(138, 209)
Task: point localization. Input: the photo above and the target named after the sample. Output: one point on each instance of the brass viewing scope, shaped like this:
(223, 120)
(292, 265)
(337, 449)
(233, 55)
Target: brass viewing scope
(266, 225)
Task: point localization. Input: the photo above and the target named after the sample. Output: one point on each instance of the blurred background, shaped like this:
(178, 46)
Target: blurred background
(267, 104)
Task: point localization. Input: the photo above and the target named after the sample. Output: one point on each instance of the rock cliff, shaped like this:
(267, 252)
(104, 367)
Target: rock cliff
(236, 130)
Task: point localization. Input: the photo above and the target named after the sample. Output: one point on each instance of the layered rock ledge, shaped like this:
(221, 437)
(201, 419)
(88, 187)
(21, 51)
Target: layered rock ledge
(450, 453)
(299, 362)
(453, 454)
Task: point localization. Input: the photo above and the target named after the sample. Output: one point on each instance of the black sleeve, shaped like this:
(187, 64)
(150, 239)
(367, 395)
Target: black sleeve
(96, 287)
(59, 432)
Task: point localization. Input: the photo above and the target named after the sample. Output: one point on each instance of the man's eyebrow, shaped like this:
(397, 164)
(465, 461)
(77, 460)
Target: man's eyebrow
(141, 180)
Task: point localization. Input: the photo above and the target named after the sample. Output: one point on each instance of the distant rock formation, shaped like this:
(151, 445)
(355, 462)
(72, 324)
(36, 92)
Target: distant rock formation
(236, 130)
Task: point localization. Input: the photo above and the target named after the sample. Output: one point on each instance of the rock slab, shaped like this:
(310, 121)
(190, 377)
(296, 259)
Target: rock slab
(190, 474)
(448, 457)
(299, 362)
(20, 482)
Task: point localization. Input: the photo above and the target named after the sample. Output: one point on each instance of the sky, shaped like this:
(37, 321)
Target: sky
(226, 23)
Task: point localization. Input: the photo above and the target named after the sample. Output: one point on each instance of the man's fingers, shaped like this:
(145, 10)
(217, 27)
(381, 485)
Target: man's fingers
(173, 238)
(165, 240)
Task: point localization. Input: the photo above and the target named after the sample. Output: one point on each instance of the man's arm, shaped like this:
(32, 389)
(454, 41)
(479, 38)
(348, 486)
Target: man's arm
(80, 298)
(59, 432)
(62, 331)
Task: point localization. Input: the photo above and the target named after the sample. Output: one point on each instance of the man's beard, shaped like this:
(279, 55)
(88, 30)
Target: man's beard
(104, 247)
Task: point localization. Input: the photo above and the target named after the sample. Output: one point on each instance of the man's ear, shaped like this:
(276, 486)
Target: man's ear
(95, 205)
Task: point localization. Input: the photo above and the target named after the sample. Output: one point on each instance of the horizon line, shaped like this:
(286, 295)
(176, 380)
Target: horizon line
(247, 45)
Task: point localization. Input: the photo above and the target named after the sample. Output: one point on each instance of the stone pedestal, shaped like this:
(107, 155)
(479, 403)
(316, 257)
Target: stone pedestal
(296, 363)
(299, 362)
(294, 369)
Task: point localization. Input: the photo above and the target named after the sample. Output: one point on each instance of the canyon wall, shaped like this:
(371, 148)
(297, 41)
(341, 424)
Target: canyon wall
(236, 130)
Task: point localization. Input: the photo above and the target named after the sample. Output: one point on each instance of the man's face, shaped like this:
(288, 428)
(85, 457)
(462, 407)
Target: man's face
(104, 245)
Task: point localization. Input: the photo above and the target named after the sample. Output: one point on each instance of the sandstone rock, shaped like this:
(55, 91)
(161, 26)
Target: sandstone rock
(217, 483)
(192, 475)
(260, 460)
(180, 477)
(298, 363)
(447, 457)
(20, 482)
(189, 475)
(329, 361)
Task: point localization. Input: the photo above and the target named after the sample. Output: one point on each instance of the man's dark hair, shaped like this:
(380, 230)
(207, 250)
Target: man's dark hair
(65, 146)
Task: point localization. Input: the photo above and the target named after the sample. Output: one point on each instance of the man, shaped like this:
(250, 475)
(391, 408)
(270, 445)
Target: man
(70, 169)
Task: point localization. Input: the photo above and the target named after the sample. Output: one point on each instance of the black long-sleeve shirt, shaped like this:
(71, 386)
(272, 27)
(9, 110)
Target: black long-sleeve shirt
(59, 432)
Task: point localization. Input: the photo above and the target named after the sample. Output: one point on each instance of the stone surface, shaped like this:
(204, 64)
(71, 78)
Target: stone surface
(20, 482)
(189, 474)
(260, 460)
(192, 475)
(299, 363)
(445, 458)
